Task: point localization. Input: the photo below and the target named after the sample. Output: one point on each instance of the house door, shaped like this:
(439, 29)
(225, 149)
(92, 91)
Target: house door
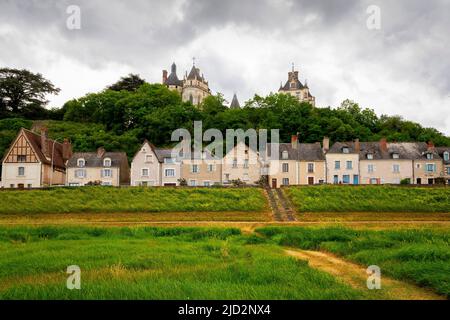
(274, 183)
(21, 186)
(430, 181)
(419, 180)
(310, 180)
(355, 179)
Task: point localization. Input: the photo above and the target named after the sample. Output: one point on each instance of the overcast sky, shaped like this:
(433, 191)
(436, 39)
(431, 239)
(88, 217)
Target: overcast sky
(244, 46)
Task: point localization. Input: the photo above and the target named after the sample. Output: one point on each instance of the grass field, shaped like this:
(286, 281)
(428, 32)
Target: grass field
(106, 200)
(369, 199)
(420, 256)
(156, 263)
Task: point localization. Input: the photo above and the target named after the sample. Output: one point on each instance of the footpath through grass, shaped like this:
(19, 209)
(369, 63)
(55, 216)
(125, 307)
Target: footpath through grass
(108, 199)
(369, 199)
(420, 256)
(156, 263)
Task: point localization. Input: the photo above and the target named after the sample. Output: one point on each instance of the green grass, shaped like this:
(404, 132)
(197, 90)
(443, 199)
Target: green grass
(106, 199)
(156, 263)
(369, 199)
(420, 256)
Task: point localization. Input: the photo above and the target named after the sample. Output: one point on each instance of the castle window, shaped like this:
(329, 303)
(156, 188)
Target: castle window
(293, 85)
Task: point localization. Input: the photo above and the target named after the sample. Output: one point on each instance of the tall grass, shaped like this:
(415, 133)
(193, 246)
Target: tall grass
(105, 199)
(370, 199)
(155, 263)
(421, 256)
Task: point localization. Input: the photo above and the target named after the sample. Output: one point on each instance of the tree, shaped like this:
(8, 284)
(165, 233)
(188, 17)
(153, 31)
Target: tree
(22, 89)
(131, 83)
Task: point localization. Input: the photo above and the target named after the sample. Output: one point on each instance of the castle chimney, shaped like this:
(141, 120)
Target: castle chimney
(294, 141)
(383, 145)
(164, 77)
(326, 144)
(67, 150)
(357, 146)
(44, 142)
(101, 152)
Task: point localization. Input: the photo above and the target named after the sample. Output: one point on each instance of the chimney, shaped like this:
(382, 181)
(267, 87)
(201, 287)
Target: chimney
(430, 146)
(164, 77)
(383, 145)
(44, 142)
(294, 141)
(100, 152)
(357, 146)
(67, 150)
(326, 144)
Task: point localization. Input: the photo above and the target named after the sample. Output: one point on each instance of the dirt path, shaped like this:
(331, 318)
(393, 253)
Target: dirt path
(356, 276)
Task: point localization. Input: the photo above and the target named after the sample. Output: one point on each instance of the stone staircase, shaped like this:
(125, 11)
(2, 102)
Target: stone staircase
(280, 205)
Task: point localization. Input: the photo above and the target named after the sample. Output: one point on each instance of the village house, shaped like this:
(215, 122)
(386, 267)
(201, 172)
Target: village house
(284, 166)
(428, 165)
(155, 167)
(98, 168)
(34, 161)
(312, 166)
(386, 163)
(202, 170)
(342, 163)
(241, 163)
(444, 153)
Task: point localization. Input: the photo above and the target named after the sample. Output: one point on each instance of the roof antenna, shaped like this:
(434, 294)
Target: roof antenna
(292, 67)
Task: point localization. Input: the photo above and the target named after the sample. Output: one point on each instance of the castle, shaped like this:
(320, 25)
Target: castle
(195, 88)
(294, 87)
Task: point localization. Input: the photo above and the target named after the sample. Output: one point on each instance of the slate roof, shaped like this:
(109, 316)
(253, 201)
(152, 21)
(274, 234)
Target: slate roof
(441, 150)
(304, 151)
(172, 79)
(235, 103)
(338, 146)
(94, 161)
(35, 141)
(195, 74)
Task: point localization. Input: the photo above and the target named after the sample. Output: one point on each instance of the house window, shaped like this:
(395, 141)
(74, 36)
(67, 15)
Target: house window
(396, 168)
(285, 181)
(145, 172)
(418, 166)
(106, 183)
(349, 165)
(21, 171)
(446, 156)
(227, 177)
(374, 181)
(246, 178)
(345, 150)
(149, 158)
(234, 163)
(169, 172)
(285, 155)
(195, 168)
(395, 156)
(246, 163)
(370, 168)
(285, 167)
(11, 186)
(21, 158)
(335, 179)
(206, 183)
(430, 167)
(81, 163)
(346, 179)
(193, 183)
(448, 170)
(310, 167)
(107, 173)
(369, 156)
(80, 173)
(169, 160)
(337, 165)
(107, 162)
(210, 167)
(29, 186)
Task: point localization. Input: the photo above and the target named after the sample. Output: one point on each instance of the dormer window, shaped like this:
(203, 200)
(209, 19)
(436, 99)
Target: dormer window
(293, 85)
(369, 156)
(107, 162)
(345, 150)
(81, 163)
(429, 156)
(285, 155)
(395, 156)
(446, 156)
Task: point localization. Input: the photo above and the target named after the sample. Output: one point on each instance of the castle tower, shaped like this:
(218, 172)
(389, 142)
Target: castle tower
(235, 103)
(295, 88)
(172, 81)
(195, 87)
